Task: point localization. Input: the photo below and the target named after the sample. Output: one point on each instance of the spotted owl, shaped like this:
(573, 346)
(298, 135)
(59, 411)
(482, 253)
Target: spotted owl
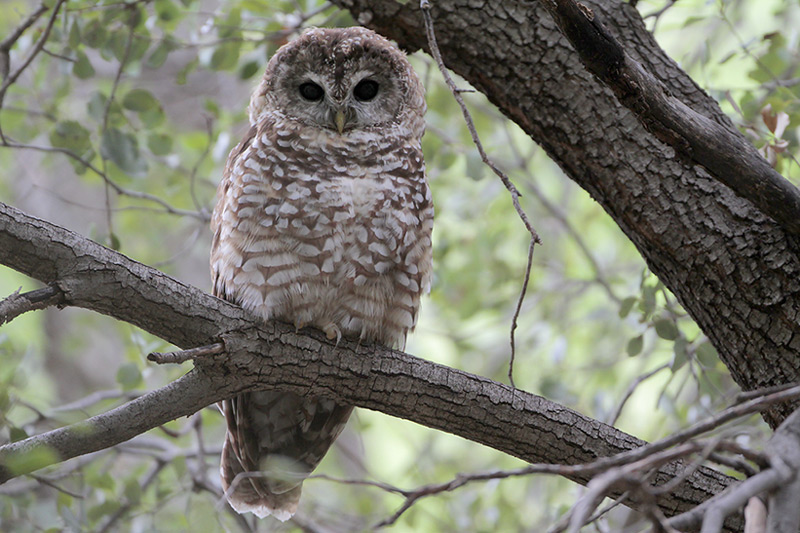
(323, 219)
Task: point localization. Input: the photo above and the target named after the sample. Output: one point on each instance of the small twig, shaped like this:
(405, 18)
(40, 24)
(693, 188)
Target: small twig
(104, 176)
(13, 37)
(627, 475)
(425, 6)
(12, 77)
(631, 389)
(96, 397)
(188, 427)
(106, 112)
(518, 309)
(44, 481)
(127, 506)
(182, 356)
(17, 304)
(745, 396)
(705, 453)
(59, 56)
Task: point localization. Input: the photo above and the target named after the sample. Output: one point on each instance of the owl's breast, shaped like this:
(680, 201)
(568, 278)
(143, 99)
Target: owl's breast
(342, 244)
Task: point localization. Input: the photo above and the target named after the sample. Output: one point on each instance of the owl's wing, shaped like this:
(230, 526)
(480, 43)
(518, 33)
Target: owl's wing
(218, 288)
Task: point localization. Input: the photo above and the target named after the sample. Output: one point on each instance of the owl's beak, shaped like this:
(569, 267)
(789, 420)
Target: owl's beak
(339, 119)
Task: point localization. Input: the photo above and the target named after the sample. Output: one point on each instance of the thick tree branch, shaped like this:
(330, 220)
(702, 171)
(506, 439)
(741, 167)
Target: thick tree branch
(261, 355)
(727, 156)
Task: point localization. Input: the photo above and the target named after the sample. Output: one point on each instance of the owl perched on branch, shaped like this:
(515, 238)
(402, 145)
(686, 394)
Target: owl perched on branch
(323, 219)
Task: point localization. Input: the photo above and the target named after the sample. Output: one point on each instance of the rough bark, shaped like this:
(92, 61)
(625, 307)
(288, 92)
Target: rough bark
(735, 270)
(262, 355)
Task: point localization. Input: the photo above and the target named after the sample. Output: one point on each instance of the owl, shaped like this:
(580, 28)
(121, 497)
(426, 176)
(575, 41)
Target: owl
(323, 220)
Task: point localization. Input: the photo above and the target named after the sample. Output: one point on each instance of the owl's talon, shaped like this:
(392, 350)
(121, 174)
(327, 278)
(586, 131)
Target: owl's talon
(332, 332)
(299, 324)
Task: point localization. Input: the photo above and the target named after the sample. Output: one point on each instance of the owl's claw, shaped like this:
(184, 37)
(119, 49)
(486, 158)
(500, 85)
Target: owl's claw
(299, 324)
(332, 332)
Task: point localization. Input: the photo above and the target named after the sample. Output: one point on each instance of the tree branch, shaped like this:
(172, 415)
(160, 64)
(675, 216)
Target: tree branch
(261, 355)
(17, 303)
(729, 158)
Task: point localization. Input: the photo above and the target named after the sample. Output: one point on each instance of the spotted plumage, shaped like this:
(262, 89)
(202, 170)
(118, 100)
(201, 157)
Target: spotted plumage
(323, 219)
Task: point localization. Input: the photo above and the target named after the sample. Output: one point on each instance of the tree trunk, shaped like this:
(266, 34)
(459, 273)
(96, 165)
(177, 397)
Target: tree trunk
(733, 268)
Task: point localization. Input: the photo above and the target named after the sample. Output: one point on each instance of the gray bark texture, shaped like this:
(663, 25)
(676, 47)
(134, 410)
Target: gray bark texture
(260, 356)
(735, 269)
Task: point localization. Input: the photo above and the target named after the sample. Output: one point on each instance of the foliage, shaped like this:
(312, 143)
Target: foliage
(120, 129)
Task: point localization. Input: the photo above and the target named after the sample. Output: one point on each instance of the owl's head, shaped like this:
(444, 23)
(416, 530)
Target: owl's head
(341, 79)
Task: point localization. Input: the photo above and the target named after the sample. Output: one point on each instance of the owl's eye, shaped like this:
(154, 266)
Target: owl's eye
(311, 91)
(365, 90)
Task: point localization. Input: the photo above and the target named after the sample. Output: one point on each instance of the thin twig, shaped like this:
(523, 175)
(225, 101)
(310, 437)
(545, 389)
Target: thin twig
(13, 37)
(127, 506)
(425, 6)
(117, 188)
(182, 356)
(96, 397)
(13, 76)
(518, 309)
(631, 389)
(104, 127)
(44, 481)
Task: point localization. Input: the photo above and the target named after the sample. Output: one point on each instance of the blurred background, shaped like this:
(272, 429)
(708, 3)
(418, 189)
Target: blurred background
(149, 97)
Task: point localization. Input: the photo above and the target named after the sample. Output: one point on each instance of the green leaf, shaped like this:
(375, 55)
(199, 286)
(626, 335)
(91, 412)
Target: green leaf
(159, 144)
(225, 57)
(94, 34)
(133, 491)
(123, 150)
(101, 480)
(117, 42)
(231, 26)
(635, 345)
(680, 355)
(249, 70)
(74, 39)
(82, 68)
(139, 47)
(139, 100)
(96, 105)
(666, 329)
(166, 10)
(183, 73)
(626, 306)
(707, 354)
(114, 242)
(129, 376)
(647, 304)
(16, 434)
(152, 117)
(159, 55)
(70, 135)
(106, 508)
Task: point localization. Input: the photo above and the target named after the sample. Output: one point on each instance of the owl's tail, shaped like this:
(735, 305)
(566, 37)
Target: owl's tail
(251, 493)
(274, 440)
